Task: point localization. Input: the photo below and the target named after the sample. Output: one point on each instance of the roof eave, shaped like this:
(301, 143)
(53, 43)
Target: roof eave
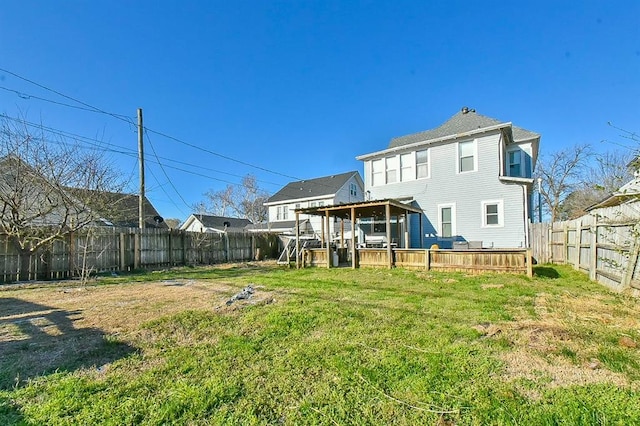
(365, 157)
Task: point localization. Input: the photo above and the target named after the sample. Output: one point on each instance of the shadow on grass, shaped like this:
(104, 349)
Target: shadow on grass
(545, 272)
(36, 340)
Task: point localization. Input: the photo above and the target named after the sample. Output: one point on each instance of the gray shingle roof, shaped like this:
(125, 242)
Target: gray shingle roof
(460, 123)
(327, 185)
(217, 222)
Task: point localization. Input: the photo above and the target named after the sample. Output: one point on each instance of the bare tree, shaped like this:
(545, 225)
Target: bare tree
(46, 186)
(562, 174)
(245, 201)
(604, 176)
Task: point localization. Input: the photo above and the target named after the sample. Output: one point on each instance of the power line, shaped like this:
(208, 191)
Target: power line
(27, 96)
(93, 108)
(165, 173)
(220, 155)
(97, 144)
(127, 119)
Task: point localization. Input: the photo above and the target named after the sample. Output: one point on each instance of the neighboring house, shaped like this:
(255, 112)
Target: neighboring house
(323, 191)
(219, 224)
(624, 204)
(46, 203)
(119, 209)
(472, 177)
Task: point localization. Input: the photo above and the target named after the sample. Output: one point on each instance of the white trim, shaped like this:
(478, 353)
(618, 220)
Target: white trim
(454, 231)
(484, 204)
(415, 145)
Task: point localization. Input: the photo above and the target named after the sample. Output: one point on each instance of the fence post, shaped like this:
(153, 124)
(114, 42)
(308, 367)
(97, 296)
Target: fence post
(578, 243)
(593, 261)
(137, 250)
(634, 253)
(529, 260)
(123, 253)
(427, 259)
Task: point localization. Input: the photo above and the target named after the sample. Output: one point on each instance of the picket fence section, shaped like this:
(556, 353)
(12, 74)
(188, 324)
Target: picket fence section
(97, 250)
(607, 251)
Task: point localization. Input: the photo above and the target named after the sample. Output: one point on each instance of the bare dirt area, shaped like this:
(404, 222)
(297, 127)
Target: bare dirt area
(66, 326)
(551, 349)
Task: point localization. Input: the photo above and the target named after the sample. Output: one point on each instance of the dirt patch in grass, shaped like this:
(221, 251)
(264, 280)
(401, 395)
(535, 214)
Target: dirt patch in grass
(552, 349)
(71, 327)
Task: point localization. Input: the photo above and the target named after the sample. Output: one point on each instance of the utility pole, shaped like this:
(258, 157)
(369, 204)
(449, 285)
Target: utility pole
(141, 163)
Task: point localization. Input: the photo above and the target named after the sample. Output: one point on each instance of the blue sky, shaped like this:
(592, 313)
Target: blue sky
(299, 88)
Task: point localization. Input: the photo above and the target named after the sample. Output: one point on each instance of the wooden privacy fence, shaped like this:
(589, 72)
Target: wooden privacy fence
(126, 249)
(607, 251)
(517, 261)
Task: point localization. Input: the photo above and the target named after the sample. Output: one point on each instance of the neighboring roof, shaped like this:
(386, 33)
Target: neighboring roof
(220, 222)
(628, 191)
(318, 187)
(466, 120)
(122, 208)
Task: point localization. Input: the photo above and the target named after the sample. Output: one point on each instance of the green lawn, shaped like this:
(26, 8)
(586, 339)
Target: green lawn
(325, 347)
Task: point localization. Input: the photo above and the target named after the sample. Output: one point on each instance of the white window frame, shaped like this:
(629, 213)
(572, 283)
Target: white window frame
(454, 231)
(285, 212)
(459, 157)
(428, 164)
(279, 213)
(407, 166)
(483, 212)
(377, 174)
(391, 166)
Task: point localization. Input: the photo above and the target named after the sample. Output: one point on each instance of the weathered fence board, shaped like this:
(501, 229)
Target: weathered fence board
(472, 261)
(606, 250)
(125, 249)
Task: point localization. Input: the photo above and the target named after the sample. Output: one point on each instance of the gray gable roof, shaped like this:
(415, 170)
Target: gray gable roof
(318, 187)
(217, 222)
(464, 121)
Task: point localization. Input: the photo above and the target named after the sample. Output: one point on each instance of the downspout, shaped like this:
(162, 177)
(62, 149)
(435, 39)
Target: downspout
(526, 216)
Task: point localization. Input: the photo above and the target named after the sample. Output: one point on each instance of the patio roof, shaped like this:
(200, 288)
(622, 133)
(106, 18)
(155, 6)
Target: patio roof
(375, 208)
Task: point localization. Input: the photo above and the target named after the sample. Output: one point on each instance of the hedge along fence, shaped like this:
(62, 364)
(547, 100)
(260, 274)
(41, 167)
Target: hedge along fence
(125, 249)
(606, 250)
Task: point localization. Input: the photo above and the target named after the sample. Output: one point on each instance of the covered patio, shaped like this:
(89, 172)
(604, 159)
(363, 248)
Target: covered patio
(355, 212)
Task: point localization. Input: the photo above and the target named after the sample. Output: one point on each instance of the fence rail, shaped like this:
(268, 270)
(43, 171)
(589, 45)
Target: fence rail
(607, 251)
(126, 249)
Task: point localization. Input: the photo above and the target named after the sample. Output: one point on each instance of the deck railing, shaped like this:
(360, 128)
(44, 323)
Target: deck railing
(518, 261)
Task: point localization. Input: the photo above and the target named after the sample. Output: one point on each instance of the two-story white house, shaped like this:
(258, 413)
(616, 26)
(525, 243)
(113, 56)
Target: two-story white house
(471, 176)
(331, 190)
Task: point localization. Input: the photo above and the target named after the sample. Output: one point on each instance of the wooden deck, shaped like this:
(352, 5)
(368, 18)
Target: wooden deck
(515, 261)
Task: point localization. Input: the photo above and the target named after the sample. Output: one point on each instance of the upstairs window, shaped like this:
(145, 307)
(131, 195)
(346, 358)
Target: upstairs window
(422, 164)
(391, 169)
(285, 212)
(466, 157)
(515, 163)
(353, 190)
(279, 213)
(377, 172)
(406, 167)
